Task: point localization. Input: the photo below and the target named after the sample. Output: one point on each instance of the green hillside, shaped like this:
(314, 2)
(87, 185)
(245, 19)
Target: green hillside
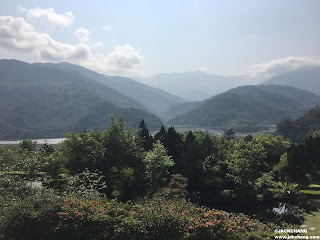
(300, 129)
(44, 103)
(249, 108)
(152, 99)
(180, 109)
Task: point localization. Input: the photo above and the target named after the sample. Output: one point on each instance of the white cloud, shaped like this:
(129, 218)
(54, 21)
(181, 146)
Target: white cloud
(16, 34)
(19, 35)
(98, 45)
(275, 67)
(124, 57)
(106, 28)
(82, 34)
(203, 68)
(48, 18)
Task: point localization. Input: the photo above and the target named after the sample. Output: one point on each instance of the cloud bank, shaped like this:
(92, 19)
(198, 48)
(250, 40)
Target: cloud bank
(82, 34)
(19, 35)
(48, 17)
(276, 67)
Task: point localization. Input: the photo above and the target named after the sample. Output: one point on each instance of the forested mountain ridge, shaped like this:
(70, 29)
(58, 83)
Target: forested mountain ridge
(306, 78)
(44, 103)
(300, 129)
(246, 108)
(180, 109)
(154, 100)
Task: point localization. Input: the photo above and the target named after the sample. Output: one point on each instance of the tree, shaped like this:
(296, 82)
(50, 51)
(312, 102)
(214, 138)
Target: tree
(173, 143)
(275, 146)
(161, 135)
(144, 135)
(82, 151)
(28, 145)
(229, 134)
(246, 162)
(116, 153)
(157, 164)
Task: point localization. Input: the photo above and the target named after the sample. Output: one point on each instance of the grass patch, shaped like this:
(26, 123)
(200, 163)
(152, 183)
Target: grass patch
(312, 222)
(314, 187)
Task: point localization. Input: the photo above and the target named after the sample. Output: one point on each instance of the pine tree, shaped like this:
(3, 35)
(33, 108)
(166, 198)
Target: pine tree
(144, 135)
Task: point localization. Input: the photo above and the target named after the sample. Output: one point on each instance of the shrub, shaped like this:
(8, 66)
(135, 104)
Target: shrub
(44, 217)
(155, 219)
(30, 218)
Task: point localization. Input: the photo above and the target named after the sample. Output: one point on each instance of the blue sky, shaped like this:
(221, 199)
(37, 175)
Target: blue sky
(143, 37)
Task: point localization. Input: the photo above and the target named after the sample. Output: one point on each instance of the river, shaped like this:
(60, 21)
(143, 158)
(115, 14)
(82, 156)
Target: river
(39, 141)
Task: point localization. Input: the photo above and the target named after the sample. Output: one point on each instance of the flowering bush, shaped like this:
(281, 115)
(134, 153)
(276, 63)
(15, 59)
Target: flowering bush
(40, 217)
(156, 219)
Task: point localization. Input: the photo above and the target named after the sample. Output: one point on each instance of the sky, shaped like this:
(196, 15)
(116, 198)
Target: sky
(260, 38)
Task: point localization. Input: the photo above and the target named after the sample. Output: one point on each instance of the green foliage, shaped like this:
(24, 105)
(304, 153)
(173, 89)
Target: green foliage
(282, 167)
(286, 192)
(144, 135)
(299, 130)
(275, 147)
(21, 160)
(28, 145)
(229, 134)
(13, 187)
(157, 164)
(116, 153)
(86, 184)
(30, 218)
(245, 164)
(96, 167)
(82, 151)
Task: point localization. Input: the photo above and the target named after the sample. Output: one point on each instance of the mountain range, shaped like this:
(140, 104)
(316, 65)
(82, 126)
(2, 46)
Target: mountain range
(249, 108)
(194, 86)
(41, 101)
(152, 99)
(306, 78)
(45, 100)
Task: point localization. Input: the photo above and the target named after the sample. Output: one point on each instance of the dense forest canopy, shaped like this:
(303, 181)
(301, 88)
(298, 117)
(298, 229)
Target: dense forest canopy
(300, 129)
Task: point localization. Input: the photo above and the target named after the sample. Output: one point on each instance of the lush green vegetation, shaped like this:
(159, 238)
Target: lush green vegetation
(300, 129)
(126, 184)
(248, 108)
(154, 100)
(39, 102)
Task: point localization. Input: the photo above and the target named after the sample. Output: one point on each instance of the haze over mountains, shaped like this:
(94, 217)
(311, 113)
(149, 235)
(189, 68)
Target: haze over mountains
(194, 86)
(45, 100)
(306, 78)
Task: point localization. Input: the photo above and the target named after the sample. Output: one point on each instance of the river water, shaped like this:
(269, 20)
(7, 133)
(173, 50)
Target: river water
(39, 141)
